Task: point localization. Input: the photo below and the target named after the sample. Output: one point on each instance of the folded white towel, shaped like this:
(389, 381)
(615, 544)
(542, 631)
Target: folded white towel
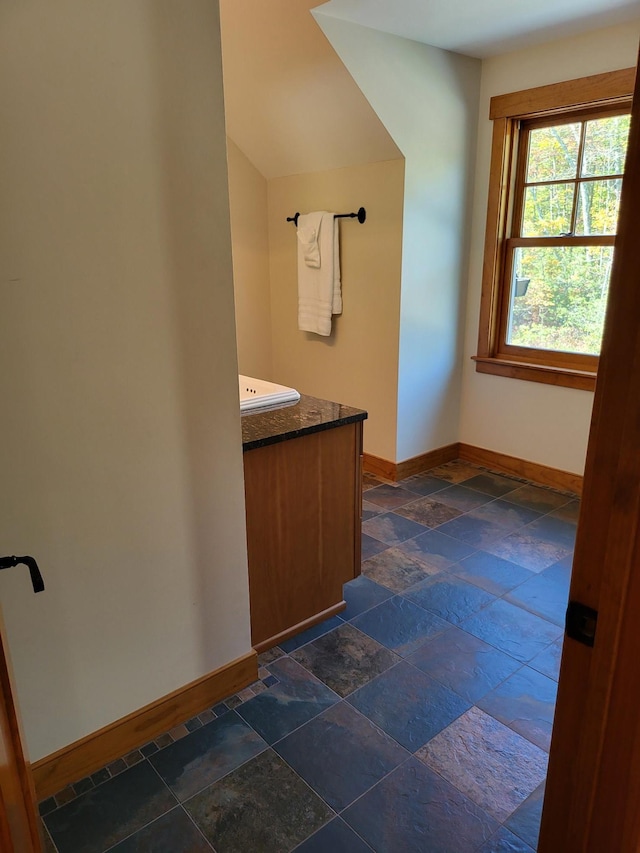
(308, 238)
(319, 291)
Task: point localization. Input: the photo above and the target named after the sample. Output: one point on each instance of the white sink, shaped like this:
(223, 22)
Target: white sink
(260, 394)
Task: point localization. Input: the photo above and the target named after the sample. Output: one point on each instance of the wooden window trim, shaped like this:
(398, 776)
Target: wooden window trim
(611, 89)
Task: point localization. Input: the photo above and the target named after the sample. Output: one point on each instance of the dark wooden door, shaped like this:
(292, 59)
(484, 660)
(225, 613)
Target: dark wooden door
(593, 785)
(19, 823)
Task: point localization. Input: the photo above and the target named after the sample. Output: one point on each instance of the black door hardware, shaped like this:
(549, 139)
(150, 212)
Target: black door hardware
(34, 571)
(581, 623)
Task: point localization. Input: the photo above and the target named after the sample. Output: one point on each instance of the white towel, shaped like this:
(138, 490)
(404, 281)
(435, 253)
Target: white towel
(319, 292)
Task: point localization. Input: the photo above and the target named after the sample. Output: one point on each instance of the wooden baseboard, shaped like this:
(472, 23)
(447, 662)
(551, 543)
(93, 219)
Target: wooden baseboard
(395, 471)
(85, 756)
(302, 626)
(432, 459)
(543, 474)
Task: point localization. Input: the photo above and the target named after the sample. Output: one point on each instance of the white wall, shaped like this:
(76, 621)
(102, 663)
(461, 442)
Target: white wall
(250, 249)
(541, 423)
(120, 453)
(427, 99)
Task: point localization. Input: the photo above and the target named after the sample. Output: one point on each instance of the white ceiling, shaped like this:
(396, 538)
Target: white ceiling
(483, 28)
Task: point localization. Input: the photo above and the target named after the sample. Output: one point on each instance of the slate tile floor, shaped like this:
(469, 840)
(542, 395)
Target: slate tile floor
(418, 721)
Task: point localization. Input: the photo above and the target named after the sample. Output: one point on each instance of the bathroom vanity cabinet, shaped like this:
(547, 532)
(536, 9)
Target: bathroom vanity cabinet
(302, 471)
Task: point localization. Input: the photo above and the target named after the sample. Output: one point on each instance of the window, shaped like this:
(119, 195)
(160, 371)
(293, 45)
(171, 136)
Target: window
(556, 175)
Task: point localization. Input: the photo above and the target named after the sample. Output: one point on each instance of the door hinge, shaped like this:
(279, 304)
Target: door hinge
(580, 623)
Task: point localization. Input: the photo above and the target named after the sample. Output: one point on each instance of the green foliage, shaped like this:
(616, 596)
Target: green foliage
(565, 303)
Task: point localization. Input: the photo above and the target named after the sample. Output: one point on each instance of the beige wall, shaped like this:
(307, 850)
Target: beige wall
(358, 364)
(541, 423)
(291, 105)
(250, 246)
(120, 451)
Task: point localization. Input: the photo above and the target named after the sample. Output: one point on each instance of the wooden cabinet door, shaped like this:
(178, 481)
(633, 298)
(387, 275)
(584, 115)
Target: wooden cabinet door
(303, 528)
(19, 822)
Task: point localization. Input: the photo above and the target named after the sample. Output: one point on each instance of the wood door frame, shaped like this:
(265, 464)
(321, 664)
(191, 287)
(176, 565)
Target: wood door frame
(19, 821)
(593, 784)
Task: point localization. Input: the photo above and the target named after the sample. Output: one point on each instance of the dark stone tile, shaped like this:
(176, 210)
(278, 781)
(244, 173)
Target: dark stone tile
(371, 546)
(428, 512)
(389, 496)
(270, 680)
(174, 832)
(424, 484)
(569, 512)
(546, 594)
(525, 702)
(262, 805)
(548, 661)
(100, 776)
(391, 528)
(67, 794)
(341, 754)
(507, 515)
(134, 757)
(345, 659)
(370, 481)
(117, 766)
(106, 815)
(463, 498)
(220, 709)
(491, 764)
(414, 810)
(148, 749)
(492, 484)
(207, 754)
(505, 841)
(310, 634)
(400, 625)
(408, 705)
(456, 471)
(436, 550)
(528, 550)
(336, 837)
(83, 785)
(536, 498)
(554, 530)
(163, 740)
(361, 594)
(47, 806)
(464, 663)
(370, 510)
(193, 724)
(512, 630)
(525, 821)
(396, 570)
(449, 597)
(270, 655)
(477, 532)
(49, 846)
(295, 699)
(491, 573)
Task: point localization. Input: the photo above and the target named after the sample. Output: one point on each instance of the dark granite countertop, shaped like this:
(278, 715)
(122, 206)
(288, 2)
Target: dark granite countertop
(309, 414)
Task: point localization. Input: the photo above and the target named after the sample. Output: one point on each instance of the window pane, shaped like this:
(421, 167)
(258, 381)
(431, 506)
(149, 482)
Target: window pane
(605, 146)
(553, 153)
(562, 306)
(598, 204)
(547, 210)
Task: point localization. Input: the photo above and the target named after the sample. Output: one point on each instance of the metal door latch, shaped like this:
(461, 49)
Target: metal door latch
(581, 623)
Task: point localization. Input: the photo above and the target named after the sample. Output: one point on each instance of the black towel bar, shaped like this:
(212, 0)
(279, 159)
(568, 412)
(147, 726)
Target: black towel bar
(361, 216)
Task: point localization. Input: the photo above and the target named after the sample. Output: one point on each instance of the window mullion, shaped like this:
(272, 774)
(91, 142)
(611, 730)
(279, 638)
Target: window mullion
(576, 186)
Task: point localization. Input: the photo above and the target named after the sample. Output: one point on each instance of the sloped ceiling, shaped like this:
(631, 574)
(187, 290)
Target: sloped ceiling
(483, 28)
(291, 105)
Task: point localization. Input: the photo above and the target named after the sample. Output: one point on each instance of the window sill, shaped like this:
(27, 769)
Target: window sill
(536, 373)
